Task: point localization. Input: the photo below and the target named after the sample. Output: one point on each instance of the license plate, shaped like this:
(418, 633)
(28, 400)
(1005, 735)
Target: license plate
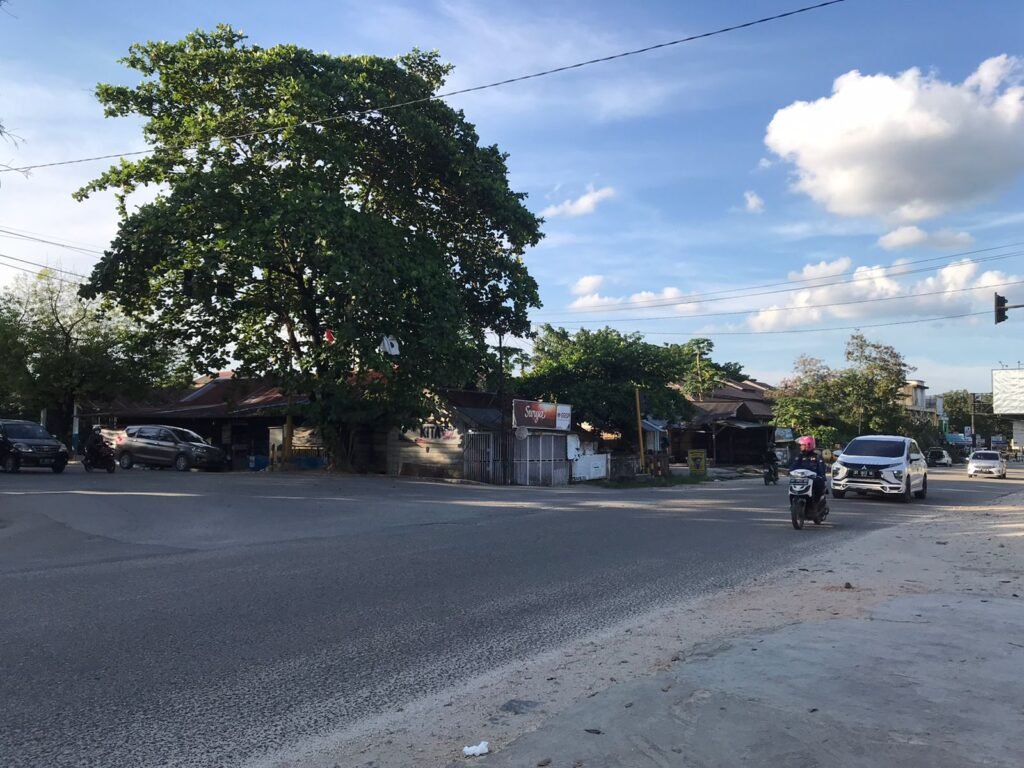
(46, 462)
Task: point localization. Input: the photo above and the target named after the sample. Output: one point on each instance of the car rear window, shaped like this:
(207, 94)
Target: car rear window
(987, 456)
(883, 449)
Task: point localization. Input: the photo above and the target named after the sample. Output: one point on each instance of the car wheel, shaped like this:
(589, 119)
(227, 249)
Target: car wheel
(11, 463)
(907, 494)
(58, 467)
(125, 460)
(181, 463)
(923, 493)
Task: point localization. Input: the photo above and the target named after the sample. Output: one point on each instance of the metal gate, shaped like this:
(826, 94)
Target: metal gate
(479, 458)
(541, 459)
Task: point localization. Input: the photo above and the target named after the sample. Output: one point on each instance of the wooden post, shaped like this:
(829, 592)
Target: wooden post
(639, 427)
(289, 430)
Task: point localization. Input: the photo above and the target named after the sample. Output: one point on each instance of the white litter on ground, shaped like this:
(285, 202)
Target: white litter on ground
(479, 749)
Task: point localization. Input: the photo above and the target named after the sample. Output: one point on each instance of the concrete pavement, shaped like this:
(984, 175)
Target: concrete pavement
(924, 667)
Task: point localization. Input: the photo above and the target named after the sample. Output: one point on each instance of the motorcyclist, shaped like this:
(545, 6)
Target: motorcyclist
(808, 459)
(94, 444)
(771, 462)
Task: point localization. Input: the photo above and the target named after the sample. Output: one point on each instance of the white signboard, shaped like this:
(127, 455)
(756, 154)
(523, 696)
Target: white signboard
(1008, 391)
(563, 416)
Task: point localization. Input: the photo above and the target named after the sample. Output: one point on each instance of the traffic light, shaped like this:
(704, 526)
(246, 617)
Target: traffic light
(1000, 307)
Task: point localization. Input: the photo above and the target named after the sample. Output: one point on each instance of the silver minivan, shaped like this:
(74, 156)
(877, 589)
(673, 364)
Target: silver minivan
(156, 445)
(890, 465)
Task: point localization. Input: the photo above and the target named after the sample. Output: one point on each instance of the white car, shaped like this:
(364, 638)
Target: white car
(938, 457)
(986, 463)
(887, 464)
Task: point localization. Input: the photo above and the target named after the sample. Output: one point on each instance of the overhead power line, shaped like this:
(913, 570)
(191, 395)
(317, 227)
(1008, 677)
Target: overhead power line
(69, 241)
(712, 334)
(20, 236)
(757, 310)
(38, 265)
(35, 273)
(460, 91)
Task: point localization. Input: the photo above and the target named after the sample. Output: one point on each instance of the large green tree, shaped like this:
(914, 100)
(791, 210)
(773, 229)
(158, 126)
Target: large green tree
(306, 206)
(59, 349)
(958, 408)
(698, 373)
(598, 372)
(864, 396)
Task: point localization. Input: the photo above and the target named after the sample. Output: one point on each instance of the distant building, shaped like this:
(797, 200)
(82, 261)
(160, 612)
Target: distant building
(923, 408)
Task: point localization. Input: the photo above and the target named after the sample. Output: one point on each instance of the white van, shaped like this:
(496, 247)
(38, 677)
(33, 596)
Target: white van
(887, 464)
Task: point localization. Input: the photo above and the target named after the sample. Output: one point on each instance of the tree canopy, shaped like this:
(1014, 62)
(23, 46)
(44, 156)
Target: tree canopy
(957, 406)
(302, 213)
(598, 372)
(58, 349)
(838, 404)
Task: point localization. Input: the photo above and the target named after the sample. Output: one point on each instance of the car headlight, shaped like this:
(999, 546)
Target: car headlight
(897, 473)
(23, 447)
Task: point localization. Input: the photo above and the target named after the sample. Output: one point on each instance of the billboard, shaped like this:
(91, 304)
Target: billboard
(536, 415)
(1008, 391)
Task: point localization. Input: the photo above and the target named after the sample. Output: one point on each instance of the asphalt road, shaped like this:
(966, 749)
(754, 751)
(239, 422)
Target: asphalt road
(155, 618)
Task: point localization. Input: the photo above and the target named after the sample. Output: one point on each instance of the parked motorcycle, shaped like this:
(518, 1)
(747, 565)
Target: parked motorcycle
(801, 492)
(99, 457)
(771, 474)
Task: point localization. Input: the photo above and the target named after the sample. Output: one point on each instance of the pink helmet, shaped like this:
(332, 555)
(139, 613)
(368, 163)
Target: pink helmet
(806, 443)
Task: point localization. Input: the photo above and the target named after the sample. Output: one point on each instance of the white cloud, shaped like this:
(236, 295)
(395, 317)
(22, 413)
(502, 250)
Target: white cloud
(911, 235)
(642, 300)
(588, 284)
(822, 270)
(817, 305)
(764, 164)
(581, 206)
(754, 202)
(909, 147)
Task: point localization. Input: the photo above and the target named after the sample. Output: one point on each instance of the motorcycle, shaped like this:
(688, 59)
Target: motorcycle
(801, 492)
(771, 474)
(100, 457)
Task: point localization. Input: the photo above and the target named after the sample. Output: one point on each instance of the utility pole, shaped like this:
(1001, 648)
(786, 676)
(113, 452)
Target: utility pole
(974, 434)
(639, 427)
(700, 381)
(502, 441)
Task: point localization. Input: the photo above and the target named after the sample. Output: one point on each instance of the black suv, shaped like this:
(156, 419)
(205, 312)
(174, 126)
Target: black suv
(26, 444)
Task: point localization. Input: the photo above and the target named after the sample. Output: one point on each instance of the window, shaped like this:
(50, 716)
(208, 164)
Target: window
(869, 446)
(148, 433)
(986, 456)
(186, 435)
(26, 432)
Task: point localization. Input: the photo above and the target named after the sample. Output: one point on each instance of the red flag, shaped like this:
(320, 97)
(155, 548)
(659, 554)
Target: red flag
(329, 336)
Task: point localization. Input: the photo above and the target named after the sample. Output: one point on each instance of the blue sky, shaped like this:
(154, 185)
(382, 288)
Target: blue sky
(663, 177)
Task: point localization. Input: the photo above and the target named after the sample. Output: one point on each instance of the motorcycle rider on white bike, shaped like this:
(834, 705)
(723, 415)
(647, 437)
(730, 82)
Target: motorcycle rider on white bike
(808, 459)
